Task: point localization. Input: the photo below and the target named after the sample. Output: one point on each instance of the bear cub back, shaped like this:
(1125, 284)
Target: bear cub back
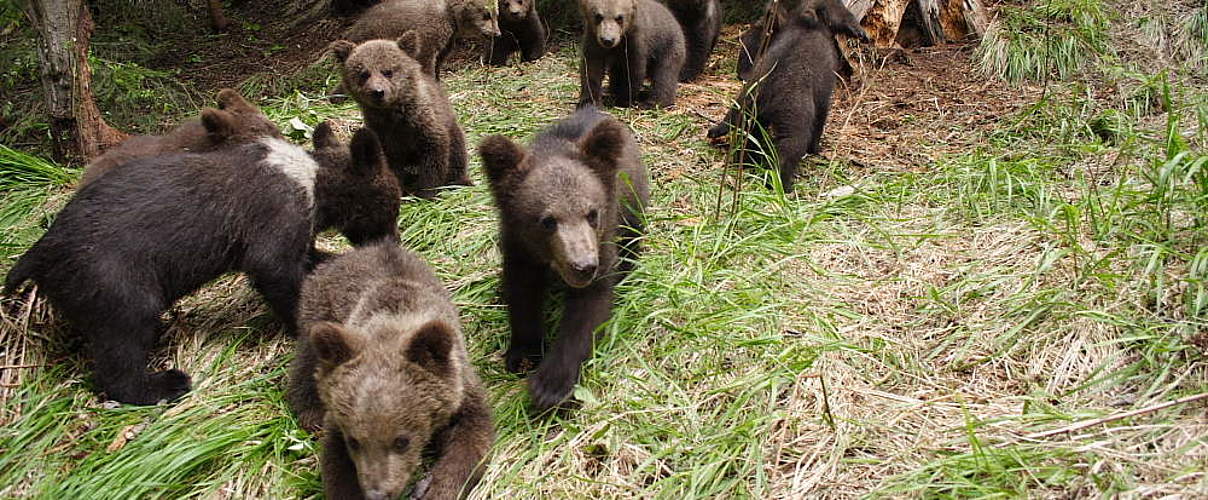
(382, 366)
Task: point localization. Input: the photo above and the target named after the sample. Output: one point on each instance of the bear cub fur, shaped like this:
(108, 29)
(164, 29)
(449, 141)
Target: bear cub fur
(570, 209)
(701, 21)
(409, 111)
(520, 28)
(790, 92)
(631, 40)
(832, 13)
(134, 241)
(437, 23)
(382, 368)
(236, 121)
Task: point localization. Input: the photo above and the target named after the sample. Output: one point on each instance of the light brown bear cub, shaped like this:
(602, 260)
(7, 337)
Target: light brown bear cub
(383, 367)
(408, 110)
(631, 40)
(439, 24)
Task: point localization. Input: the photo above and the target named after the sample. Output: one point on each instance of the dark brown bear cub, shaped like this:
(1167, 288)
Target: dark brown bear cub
(236, 121)
(140, 237)
(437, 23)
(570, 208)
(831, 13)
(520, 28)
(408, 110)
(789, 94)
(632, 40)
(382, 367)
(701, 21)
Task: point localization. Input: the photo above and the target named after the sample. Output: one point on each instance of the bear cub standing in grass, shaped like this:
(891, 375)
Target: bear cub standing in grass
(789, 94)
(236, 121)
(137, 239)
(382, 367)
(831, 13)
(520, 28)
(570, 206)
(438, 24)
(701, 21)
(632, 40)
(408, 110)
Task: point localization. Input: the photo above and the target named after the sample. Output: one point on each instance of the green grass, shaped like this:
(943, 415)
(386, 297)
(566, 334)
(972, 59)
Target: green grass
(884, 332)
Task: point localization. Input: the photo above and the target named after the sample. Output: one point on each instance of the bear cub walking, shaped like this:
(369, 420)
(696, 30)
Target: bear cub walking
(408, 110)
(382, 367)
(631, 40)
(140, 237)
(520, 28)
(789, 93)
(437, 23)
(570, 206)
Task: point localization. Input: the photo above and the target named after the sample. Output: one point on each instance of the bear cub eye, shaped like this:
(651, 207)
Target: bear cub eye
(549, 222)
(599, 18)
(486, 16)
(364, 76)
(401, 444)
(593, 217)
(388, 73)
(620, 18)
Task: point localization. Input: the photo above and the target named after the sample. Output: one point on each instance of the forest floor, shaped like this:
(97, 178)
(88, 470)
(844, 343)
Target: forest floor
(968, 264)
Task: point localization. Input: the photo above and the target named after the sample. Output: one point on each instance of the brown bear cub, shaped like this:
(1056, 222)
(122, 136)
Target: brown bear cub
(701, 21)
(358, 209)
(520, 28)
(632, 40)
(382, 368)
(571, 207)
(236, 121)
(831, 13)
(438, 23)
(789, 95)
(408, 110)
(134, 241)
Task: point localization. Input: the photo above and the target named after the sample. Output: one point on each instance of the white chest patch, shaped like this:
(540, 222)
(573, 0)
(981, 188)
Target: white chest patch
(292, 161)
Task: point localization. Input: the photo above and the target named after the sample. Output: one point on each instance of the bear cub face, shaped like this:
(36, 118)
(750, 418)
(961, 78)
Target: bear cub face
(609, 21)
(385, 399)
(380, 73)
(559, 201)
(515, 10)
(474, 19)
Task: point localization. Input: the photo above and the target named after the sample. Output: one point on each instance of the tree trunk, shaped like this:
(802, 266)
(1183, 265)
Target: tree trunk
(909, 23)
(77, 130)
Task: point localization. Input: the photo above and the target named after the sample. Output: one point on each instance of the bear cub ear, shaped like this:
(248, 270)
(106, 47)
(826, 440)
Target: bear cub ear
(219, 124)
(231, 100)
(410, 43)
(341, 49)
(501, 157)
(366, 152)
(324, 137)
(333, 344)
(603, 146)
(432, 348)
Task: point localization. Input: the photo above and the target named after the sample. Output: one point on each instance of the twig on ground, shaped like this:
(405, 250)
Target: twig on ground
(1111, 418)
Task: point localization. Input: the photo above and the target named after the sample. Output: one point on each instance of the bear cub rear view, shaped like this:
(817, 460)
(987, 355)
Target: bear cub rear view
(408, 110)
(382, 368)
(134, 241)
(570, 209)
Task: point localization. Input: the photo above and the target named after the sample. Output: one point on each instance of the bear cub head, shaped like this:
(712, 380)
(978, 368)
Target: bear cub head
(515, 10)
(608, 21)
(380, 73)
(388, 386)
(473, 19)
(359, 192)
(557, 199)
(236, 121)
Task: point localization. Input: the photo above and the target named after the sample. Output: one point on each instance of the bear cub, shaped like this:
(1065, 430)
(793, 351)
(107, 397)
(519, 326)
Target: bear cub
(236, 121)
(134, 241)
(382, 368)
(789, 93)
(831, 13)
(437, 23)
(701, 21)
(408, 110)
(570, 210)
(520, 28)
(631, 40)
